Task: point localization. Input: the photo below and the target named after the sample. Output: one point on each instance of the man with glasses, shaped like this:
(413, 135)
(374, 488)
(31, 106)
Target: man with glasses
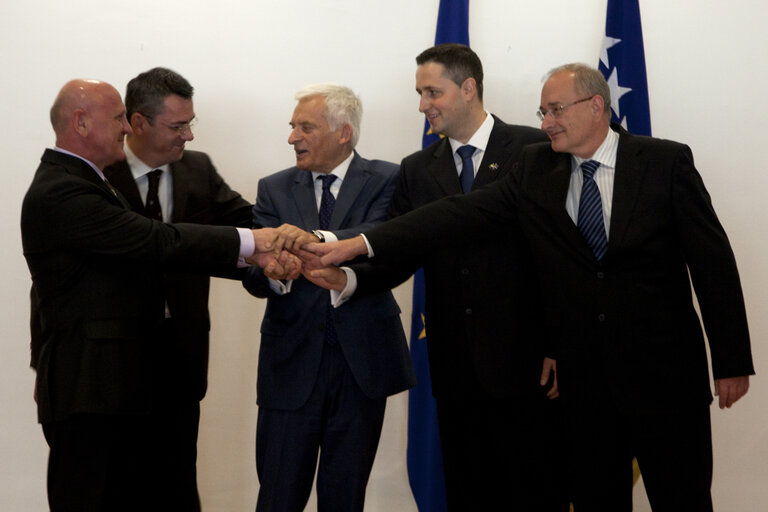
(617, 223)
(162, 180)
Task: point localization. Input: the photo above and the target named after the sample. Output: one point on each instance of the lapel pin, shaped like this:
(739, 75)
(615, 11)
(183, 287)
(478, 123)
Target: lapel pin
(494, 166)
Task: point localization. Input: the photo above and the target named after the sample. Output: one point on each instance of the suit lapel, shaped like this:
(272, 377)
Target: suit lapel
(303, 192)
(354, 182)
(496, 154)
(77, 167)
(630, 172)
(119, 175)
(443, 168)
(556, 184)
(180, 191)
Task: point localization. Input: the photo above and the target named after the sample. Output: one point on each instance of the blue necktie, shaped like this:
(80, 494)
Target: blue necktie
(590, 218)
(467, 175)
(327, 202)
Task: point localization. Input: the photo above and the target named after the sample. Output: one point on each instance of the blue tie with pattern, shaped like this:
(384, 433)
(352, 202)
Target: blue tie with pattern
(467, 175)
(327, 202)
(590, 218)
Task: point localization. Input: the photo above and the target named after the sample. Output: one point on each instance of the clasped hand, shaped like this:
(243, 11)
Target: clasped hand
(287, 251)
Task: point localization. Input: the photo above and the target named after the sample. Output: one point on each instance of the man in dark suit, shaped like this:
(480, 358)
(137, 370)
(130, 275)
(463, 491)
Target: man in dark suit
(481, 303)
(324, 372)
(616, 223)
(97, 288)
(188, 189)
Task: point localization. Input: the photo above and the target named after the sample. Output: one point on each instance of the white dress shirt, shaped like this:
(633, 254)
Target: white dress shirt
(604, 178)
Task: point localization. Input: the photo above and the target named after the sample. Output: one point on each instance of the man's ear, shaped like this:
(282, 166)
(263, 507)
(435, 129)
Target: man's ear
(138, 123)
(469, 88)
(346, 133)
(597, 105)
(81, 122)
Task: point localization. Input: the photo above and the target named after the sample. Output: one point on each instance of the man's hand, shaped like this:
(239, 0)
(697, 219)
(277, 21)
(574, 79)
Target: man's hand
(291, 237)
(333, 253)
(265, 240)
(547, 367)
(330, 278)
(284, 266)
(729, 390)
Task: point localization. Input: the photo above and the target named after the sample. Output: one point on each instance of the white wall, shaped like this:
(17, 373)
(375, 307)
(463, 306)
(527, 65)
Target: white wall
(707, 80)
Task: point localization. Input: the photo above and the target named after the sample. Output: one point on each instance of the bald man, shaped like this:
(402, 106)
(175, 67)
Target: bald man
(96, 269)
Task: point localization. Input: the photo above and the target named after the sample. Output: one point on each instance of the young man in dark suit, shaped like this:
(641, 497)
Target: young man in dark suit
(163, 180)
(96, 268)
(482, 311)
(324, 372)
(620, 227)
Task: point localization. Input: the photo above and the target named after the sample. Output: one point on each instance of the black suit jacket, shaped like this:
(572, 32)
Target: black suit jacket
(628, 324)
(369, 331)
(200, 196)
(96, 272)
(481, 304)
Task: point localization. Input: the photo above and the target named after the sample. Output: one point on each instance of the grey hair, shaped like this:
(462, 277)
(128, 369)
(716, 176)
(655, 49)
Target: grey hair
(587, 80)
(342, 106)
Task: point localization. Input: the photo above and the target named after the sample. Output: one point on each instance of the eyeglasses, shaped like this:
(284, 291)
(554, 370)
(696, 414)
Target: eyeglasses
(180, 128)
(559, 110)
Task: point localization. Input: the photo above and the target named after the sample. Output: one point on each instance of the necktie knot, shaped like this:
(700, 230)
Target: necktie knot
(466, 151)
(155, 174)
(588, 168)
(327, 179)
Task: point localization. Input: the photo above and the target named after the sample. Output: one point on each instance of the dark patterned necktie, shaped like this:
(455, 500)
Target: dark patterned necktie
(152, 207)
(327, 202)
(467, 176)
(590, 218)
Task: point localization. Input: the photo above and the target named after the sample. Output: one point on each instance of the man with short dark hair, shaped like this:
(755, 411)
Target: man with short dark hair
(162, 180)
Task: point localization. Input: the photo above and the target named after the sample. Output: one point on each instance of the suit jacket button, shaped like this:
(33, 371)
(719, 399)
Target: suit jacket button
(465, 271)
(468, 311)
(600, 275)
(601, 317)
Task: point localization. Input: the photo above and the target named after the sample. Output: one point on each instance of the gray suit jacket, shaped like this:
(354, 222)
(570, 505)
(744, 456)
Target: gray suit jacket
(369, 330)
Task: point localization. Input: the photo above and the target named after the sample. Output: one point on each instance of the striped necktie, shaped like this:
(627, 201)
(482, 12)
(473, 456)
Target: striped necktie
(590, 218)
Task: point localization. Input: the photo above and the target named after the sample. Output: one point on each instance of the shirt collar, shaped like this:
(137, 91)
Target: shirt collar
(339, 171)
(480, 138)
(93, 166)
(605, 154)
(137, 166)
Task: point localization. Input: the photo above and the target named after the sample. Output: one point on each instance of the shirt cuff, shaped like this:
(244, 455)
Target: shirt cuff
(340, 297)
(367, 245)
(329, 235)
(247, 245)
(279, 287)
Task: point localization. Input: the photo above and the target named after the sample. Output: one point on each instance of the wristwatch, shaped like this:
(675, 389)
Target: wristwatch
(319, 234)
